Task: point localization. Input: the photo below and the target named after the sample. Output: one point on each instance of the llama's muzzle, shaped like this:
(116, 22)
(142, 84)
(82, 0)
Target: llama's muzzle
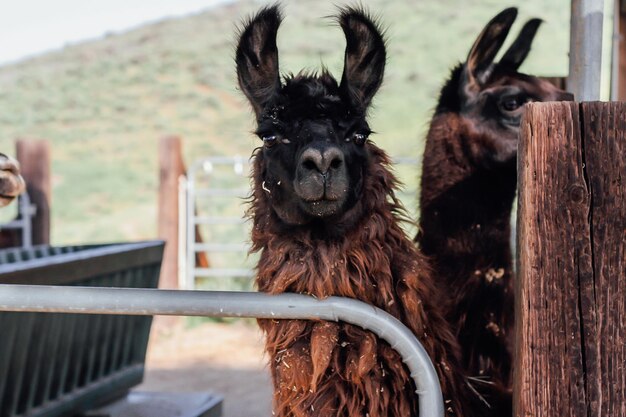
(321, 179)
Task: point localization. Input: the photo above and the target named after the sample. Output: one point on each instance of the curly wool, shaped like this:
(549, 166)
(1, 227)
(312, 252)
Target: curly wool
(336, 369)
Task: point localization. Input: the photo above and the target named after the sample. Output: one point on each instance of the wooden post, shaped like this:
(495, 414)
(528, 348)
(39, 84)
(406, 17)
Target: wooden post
(34, 158)
(171, 167)
(570, 354)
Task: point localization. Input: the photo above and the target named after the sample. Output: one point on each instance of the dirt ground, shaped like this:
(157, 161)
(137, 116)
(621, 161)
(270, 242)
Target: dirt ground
(223, 358)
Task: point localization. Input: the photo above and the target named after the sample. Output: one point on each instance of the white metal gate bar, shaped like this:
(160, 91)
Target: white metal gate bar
(26, 211)
(91, 300)
(205, 167)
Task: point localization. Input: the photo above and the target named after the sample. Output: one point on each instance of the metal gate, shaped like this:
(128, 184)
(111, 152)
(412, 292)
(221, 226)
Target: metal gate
(127, 301)
(213, 201)
(23, 220)
(214, 196)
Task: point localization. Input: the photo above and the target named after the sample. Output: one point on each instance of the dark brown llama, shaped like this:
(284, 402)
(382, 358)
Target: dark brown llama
(326, 222)
(469, 179)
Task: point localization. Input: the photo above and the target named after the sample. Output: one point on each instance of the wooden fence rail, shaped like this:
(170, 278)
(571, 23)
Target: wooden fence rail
(571, 288)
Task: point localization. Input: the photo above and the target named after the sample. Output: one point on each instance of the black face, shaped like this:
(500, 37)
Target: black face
(314, 132)
(313, 149)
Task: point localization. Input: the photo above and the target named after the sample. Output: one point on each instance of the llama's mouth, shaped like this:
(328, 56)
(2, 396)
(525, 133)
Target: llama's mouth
(320, 196)
(323, 207)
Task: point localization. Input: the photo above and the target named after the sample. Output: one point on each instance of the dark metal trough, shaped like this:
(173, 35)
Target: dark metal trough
(54, 365)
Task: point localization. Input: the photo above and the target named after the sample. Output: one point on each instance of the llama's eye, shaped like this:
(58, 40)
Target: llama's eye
(269, 140)
(510, 103)
(359, 138)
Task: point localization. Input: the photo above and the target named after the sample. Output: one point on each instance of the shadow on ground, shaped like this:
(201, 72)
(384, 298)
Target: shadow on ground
(247, 393)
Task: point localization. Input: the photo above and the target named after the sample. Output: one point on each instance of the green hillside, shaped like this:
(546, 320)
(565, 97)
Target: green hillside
(103, 104)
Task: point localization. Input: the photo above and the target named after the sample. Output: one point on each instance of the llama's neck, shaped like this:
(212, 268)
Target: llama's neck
(466, 201)
(365, 262)
(359, 265)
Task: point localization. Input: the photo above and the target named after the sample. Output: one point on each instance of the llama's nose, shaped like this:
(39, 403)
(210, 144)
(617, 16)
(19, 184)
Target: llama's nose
(313, 159)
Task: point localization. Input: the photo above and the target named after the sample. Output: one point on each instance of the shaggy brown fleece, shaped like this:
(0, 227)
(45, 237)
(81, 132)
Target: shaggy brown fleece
(336, 369)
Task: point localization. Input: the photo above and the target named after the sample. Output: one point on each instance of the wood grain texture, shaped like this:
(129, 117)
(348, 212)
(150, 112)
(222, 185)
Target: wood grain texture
(604, 127)
(570, 293)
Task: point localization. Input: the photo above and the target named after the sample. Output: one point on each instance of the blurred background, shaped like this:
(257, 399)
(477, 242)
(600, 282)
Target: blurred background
(103, 81)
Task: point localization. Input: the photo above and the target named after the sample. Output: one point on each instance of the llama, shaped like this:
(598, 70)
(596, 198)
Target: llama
(11, 182)
(468, 185)
(326, 222)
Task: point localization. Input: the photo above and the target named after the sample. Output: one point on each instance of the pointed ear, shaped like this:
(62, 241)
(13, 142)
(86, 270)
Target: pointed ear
(518, 51)
(487, 45)
(364, 62)
(257, 58)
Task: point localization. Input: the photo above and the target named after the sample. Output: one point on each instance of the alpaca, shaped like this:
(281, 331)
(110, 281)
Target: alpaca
(11, 182)
(468, 185)
(326, 222)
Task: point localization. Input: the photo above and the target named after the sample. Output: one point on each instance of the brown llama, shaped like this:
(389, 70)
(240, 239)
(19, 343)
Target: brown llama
(469, 177)
(326, 222)
(11, 182)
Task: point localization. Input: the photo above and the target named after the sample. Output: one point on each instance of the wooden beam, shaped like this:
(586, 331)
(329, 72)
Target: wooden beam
(570, 354)
(171, 167)
(34, 159)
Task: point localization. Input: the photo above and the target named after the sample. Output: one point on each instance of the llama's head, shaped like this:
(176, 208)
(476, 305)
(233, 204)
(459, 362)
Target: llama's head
(313, 161)
(493, 94)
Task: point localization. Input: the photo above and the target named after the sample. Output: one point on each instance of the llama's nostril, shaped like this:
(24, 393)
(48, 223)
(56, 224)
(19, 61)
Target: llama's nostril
(309, 165)
(333, 158)
(312, 160)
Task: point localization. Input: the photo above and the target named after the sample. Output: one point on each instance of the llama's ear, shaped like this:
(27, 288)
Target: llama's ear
(257, 58)
(364, 62)
(487, 45)
(518, 51)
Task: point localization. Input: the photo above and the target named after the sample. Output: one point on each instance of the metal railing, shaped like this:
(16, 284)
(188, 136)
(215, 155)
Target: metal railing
(24, 222)
(49, 299)
(197, 190)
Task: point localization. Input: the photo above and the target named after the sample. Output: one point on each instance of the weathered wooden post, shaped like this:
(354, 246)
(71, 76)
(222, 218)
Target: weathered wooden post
(34, 158)
(171, 167)
(171, 170)
(570, 357)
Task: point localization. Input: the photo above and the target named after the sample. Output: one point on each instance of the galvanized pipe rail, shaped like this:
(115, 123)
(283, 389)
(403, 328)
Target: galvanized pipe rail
(24, 222)
(585, 55)
(91, 300)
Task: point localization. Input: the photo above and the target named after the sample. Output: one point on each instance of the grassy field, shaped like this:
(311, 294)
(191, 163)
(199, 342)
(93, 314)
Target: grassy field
(104, 104)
